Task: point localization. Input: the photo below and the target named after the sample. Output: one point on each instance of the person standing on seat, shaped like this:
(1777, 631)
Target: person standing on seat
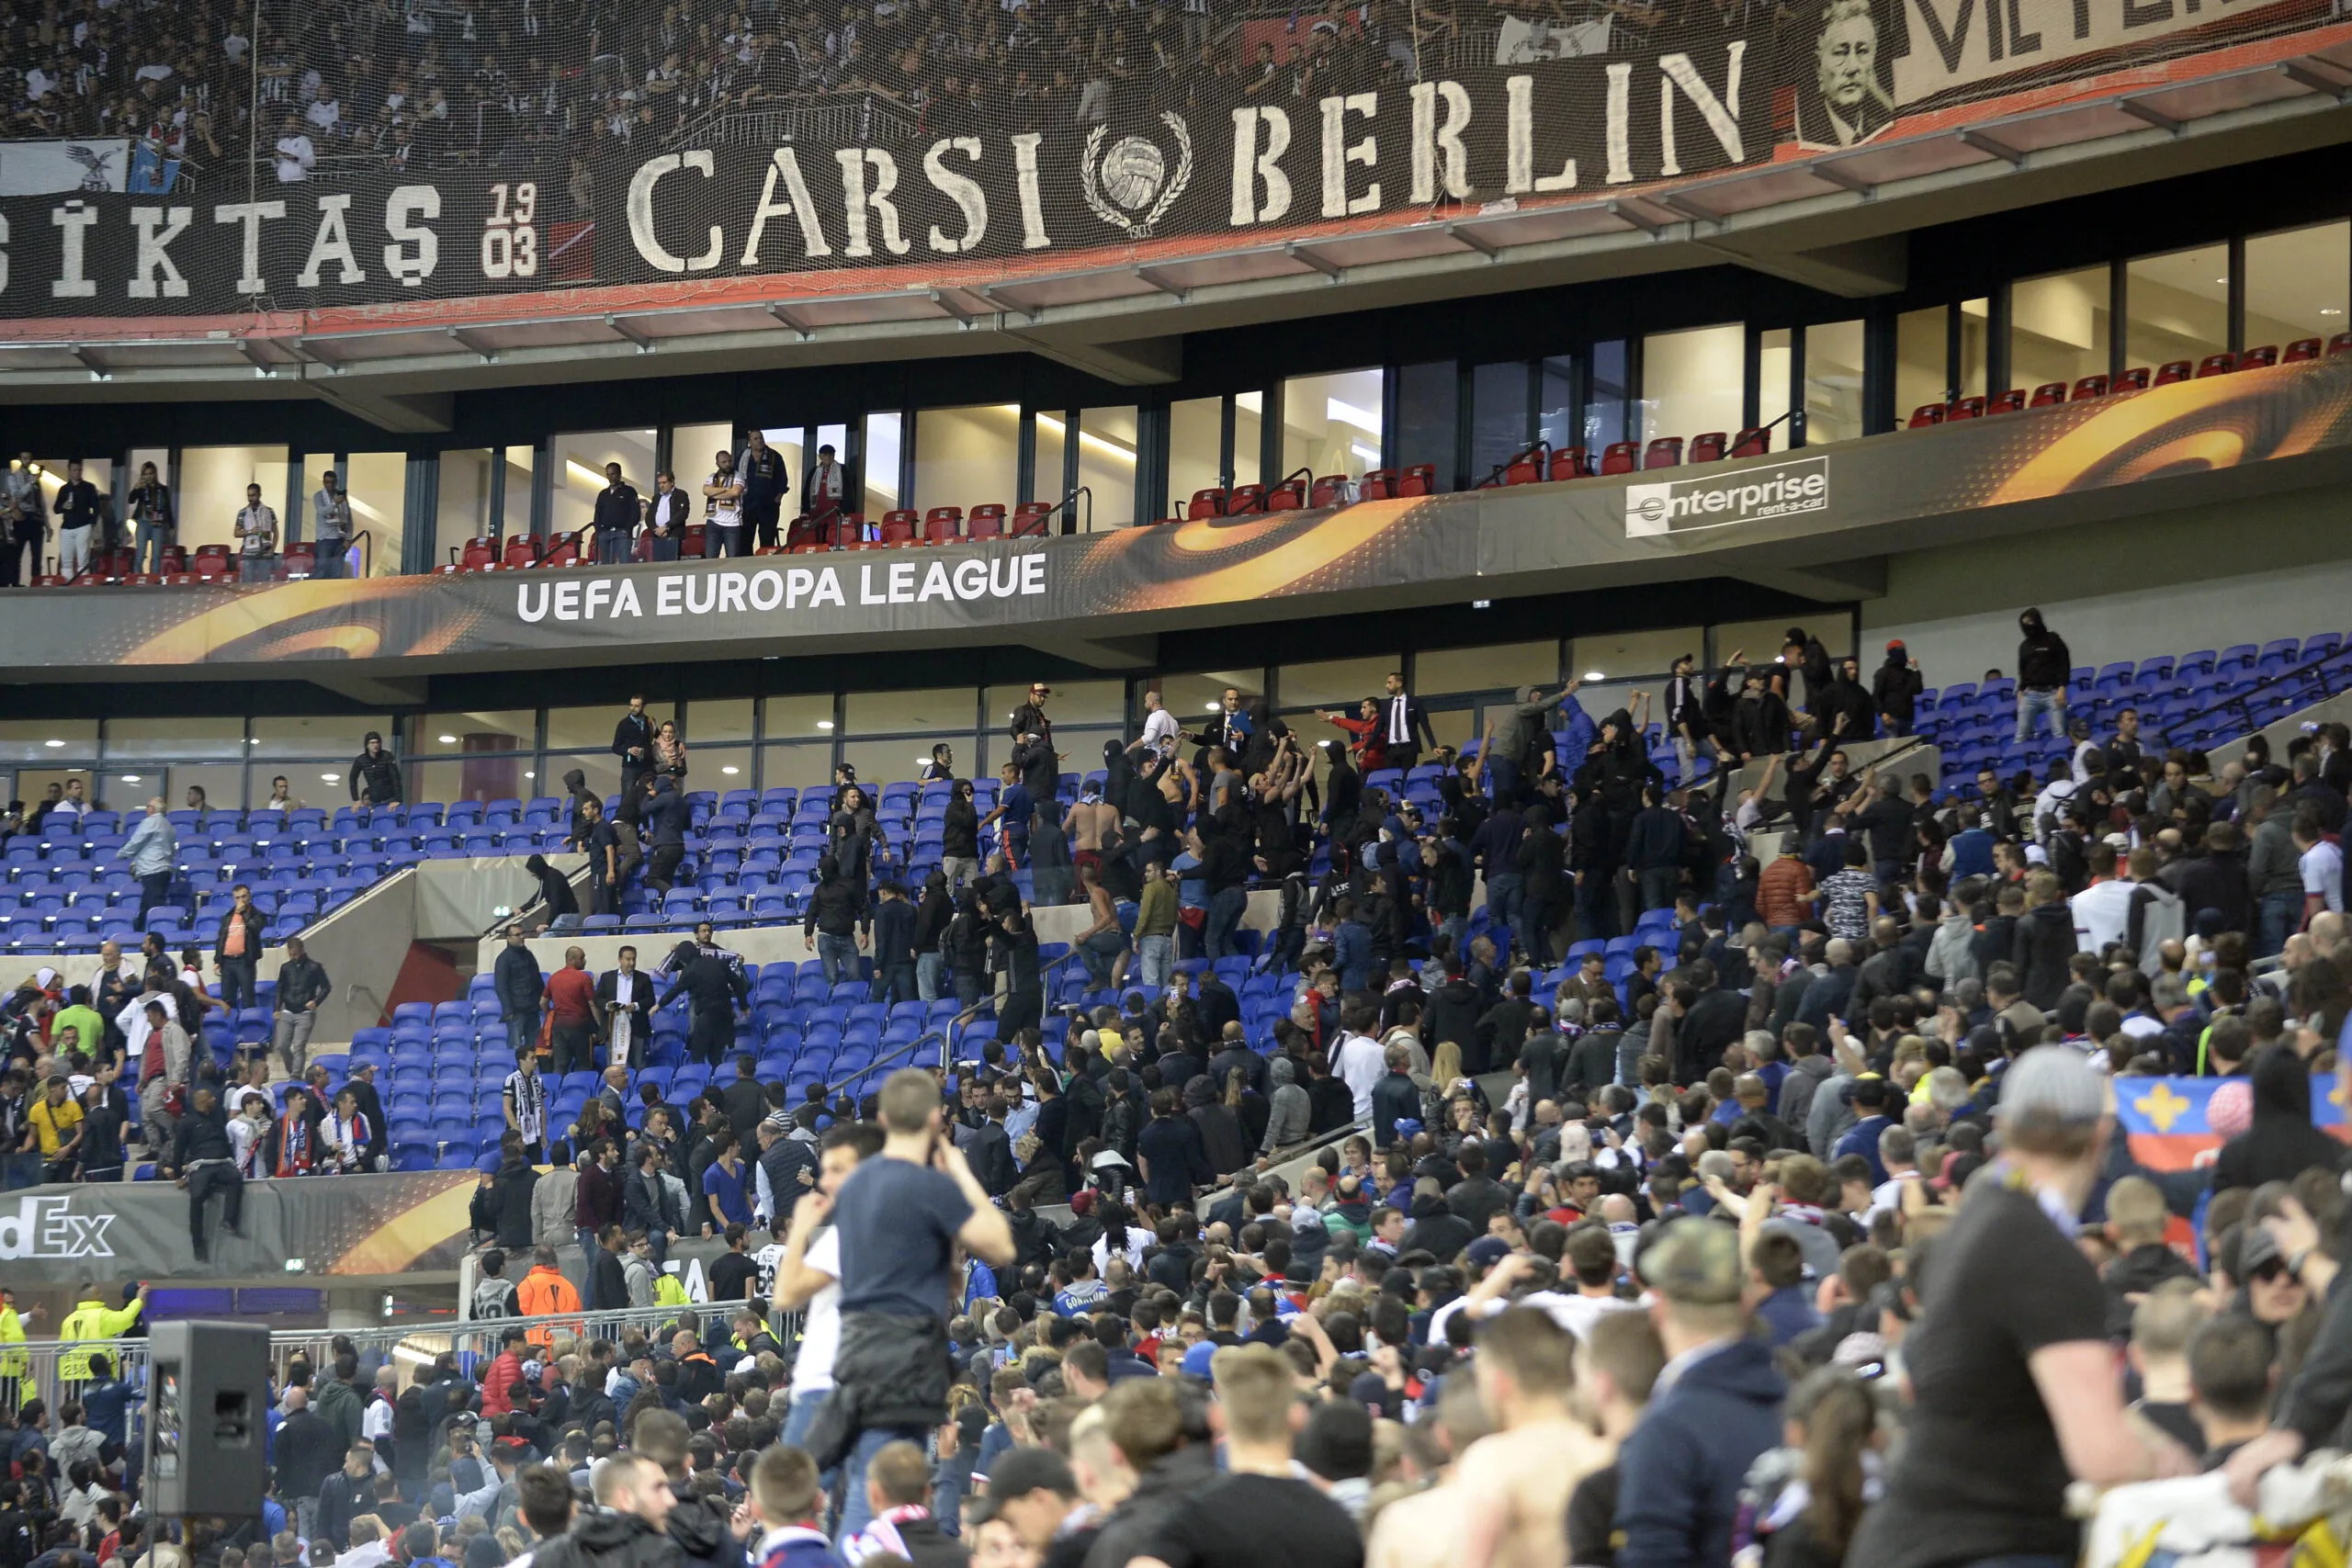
(519, 985)
(1404, 725)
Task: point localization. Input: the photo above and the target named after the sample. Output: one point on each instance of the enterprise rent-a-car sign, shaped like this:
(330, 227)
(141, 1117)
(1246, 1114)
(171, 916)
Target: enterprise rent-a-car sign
(1719, 501)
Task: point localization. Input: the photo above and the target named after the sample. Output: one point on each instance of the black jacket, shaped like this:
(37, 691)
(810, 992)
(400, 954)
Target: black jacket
(837, 908)
(342, 1500)
(375, 779)
(309, 1450)
(697, 1527)
(2043, 663)
(2282, 1142)
(510, 1203)
(641, 1006)
(635, 731)
(2046, 940)
(609, 1541)
(300, 982)
(518, 982)
(894, 932)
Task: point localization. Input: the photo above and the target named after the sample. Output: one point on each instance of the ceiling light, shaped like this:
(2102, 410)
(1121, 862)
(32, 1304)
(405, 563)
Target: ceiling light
(1593, 675)
(529, 774)
(328, 778)
(54, 745)
(730, 772)
(1213, 708)
(449, 740)
(2329, 310)
(130, 778)
(824, 724)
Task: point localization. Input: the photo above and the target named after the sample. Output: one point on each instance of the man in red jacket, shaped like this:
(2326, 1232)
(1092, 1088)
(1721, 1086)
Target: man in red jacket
(505, 1372)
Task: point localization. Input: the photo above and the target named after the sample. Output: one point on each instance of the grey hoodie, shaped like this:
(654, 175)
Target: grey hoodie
(1288, 1112)
(1951, 956)
(1831, 1115)
(1804, 1075)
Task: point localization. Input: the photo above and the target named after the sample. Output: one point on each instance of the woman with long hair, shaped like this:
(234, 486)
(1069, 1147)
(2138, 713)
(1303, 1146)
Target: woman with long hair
(1813, 1520)
(669, 750)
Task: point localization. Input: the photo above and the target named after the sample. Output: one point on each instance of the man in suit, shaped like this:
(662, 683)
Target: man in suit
(666, 517)
(625, 1005)
(1404, 724)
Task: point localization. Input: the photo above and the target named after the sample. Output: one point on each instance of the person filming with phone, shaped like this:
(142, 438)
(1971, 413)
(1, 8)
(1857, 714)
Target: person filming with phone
(900, 1218)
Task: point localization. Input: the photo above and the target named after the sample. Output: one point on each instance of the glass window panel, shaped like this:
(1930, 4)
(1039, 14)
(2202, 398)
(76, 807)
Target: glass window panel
(1632, 655)
(693, 449)
(600, 770)
(940, 710)
(1195, 450)
(1975, 333)
(2179, 306)
(1051, 476)
(797, 766)
(1249, 437)
(579, 474)
(463, 510)
(316, 466)
(1454, 727)
(1331, 424)
(474, 778)
(1694, 381)
(1609, 396)
(1192, 697)
(1082, 748)
(2059, 326)
(47, 740)
(193, 738)
(967, 456)
(1921, 374)
(879, 468)
(806, 715)
(719, 768)
(129, 789)
(2295, 284)
(320, 737)
(1497, 416)
(723, 718)
(1429, 399)
(448, 734)
(1072, 702)
(1833, 382)
(1495, 668)
(1773, 353)
(378, 486)
(222, 784)
(880, 762)
(159, 456)
(1106, 464)
(1555, 410)
(585, 728)
(31, 785)
(514, 513)
(212, 489)
(1335, 683)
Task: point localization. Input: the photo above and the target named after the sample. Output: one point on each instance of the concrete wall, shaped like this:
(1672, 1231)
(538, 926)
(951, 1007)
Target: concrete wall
(2201, 577)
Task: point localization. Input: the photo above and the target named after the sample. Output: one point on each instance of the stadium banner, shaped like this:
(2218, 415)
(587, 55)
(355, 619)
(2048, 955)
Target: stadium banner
(2175, 1124)
(317, 1226)
(1478, 544)
(1271, 130)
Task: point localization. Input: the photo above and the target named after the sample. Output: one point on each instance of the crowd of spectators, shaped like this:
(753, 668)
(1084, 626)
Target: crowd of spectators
(431, 83)
(1762, 1233)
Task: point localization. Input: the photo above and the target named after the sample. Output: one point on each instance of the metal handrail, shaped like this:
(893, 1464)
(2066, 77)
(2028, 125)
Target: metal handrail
(1541, 451)
(1068, 505)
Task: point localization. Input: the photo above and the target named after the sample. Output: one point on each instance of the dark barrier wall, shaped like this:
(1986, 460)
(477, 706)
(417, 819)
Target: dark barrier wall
(2255, 427)
(549, 151)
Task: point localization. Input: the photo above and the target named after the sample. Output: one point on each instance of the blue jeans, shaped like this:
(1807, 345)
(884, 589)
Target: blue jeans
(1504, 771)
(2280, 914)
(2032, 704)
(855, 1513)
(1155, 954)
(522, 1031)
(929, 967)
(839, 955)
(1100, 953)
(1225, 910)
(1502, 898)
(149, 540)
(895, 984)
(330, 559)
(1659, 885)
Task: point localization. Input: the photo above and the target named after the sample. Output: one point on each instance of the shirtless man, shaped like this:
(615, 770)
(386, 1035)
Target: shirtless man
(1102, 946)
(1091, 824)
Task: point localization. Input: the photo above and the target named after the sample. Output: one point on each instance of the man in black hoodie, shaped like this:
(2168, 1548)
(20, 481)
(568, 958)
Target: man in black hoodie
(1436, 1228)
(2044, 668)
(629, 1529)
(697, 1526)
(375, 778)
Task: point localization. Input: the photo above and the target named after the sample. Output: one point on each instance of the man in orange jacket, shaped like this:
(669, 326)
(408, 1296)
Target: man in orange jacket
(544, 1293)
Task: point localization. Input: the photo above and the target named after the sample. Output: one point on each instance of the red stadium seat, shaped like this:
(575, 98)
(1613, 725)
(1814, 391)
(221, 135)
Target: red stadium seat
(299, 560)
(521, 550)
(850, 533)
(1966, 408)
(986, 523)
(2009, 401)
(174, 561)
(772, 550)
(897, 528)
(1927, 414)
(1290, 495)
(1420, 479)
(1379, 484)
(1708, 449)
(2133, 380)
(47, 580)
(690, 543)
(479, 555)
(1620, 457)
(1665, 452)
(2340, 342)
(2213, 365)
(89, 579)
(2259, 358)
(1526, 468)
(1206, 504)
(1752, 442)
(2048, 392)
(2091, 386)
(1327, 491)
(941, 525)
(2172, 370)
(566, 552)
(1570, 463)
(142, 579)
(1245, 501)
(2303, 348)
(1032, 520)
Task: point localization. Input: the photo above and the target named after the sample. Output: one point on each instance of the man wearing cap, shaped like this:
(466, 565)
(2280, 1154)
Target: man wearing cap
(1716, 1406)
(2013, 1379)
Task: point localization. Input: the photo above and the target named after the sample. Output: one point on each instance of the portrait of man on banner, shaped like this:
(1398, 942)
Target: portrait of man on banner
(1849, 99)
